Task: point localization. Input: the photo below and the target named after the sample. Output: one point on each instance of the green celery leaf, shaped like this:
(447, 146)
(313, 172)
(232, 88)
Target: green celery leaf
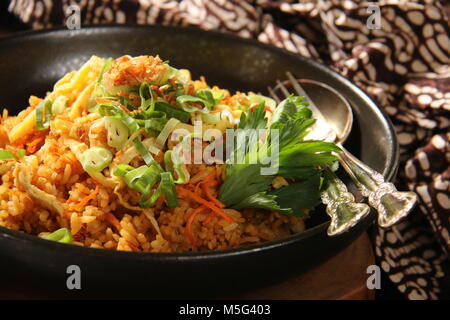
(242, 181)
(300, 195)
(261, 200)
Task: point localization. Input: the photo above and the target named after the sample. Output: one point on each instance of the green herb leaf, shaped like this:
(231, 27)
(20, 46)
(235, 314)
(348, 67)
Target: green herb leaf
(62, 235)
(6, 155)
(43, 115)
(116, 112)
(246, 187)
(99, 90)
(300, 195)
(206, 97)
(172, 112)
(168, 189)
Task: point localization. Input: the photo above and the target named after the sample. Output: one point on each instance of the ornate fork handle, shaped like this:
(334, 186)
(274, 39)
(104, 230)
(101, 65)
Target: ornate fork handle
(392, 205)
(341, 206)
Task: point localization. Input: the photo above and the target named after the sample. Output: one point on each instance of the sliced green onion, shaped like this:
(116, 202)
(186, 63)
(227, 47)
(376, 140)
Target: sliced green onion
(142, 178)
(218, 96)
(143, 151)
(62, 235)
(173, 112)
(175, 166)
(169, 73)
(208, 98)
(43, 115)
(117, 133)
(168, 129)
(96, 159)
(152, 200)
(59, 105)
(122, 170)
(147, 101)
(99, 90)
(184, 76)
(112, 110)
(154, 126)
(211, 118)
(6, 155)
(21, 152)
(168, 189)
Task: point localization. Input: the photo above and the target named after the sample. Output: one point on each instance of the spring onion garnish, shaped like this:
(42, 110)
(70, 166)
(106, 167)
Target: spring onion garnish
(153, 197)
(168, 129)
(167, 187)
(62, 235)
(142, 179)
(59, 105)
(211, 118)
(99, 90)
(122, 169)
(115, 111)
(7, 155)
(147, 102)
(43, 115)
(143, 151)
(96, 159)
(173, 112)
(117, 133)
(208, 98)
(169, 73)
(175, 166)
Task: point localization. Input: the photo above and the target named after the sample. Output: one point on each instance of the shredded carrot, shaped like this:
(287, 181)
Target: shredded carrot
(189, 224)
(35, 144)
(113, 221)
(86, 200)
(206, 179)
(205, 189)
(182, 192)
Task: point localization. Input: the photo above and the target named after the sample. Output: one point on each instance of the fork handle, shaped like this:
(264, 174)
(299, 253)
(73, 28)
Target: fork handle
(341, 206)
(392, 205)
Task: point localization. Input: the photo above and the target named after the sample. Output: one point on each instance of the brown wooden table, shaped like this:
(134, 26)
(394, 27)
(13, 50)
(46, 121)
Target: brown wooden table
(341, 277)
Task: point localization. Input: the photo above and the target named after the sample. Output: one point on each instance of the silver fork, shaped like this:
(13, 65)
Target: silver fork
(392, 205)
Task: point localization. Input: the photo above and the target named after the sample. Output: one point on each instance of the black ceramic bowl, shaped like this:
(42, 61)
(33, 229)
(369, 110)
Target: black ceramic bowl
(32, 62)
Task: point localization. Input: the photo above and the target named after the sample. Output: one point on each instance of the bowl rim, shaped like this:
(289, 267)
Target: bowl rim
(389, 171)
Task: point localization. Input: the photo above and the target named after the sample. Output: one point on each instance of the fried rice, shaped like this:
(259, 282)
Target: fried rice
(48, 188)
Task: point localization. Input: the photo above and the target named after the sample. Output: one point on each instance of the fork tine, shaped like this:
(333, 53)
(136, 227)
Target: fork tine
(273, 95)
(297, 87)
(283, 89)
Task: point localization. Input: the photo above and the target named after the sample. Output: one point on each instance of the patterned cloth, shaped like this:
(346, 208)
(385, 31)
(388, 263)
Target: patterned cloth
(403, 65)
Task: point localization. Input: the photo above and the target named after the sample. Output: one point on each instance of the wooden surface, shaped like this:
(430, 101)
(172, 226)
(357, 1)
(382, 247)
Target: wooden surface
(342, 277)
